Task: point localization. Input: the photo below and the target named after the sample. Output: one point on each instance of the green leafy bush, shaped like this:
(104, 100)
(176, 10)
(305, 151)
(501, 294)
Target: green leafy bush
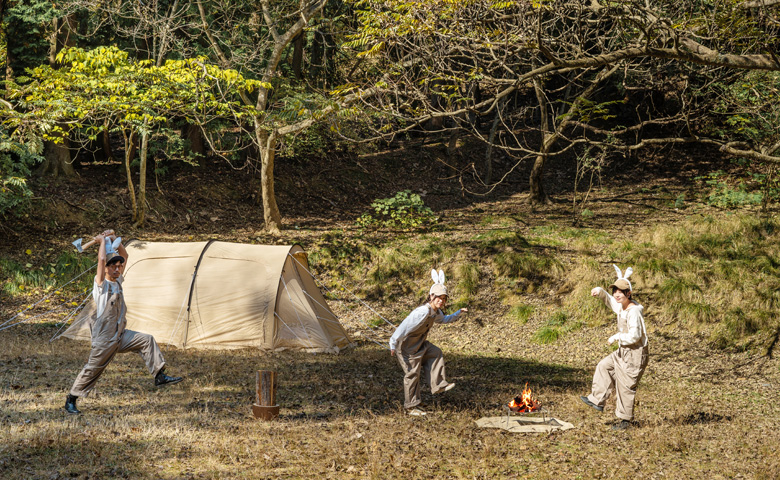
(405, 210)
(725, 195)
(16, 160)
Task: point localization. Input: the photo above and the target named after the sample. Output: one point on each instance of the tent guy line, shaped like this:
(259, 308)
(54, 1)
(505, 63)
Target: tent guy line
(58, 307)
(45, 297)
(348, 291)
(291, 330)
(86, 298)
(297, 315)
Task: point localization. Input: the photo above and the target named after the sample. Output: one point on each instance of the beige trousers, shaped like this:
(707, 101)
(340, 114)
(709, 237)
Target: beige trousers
(619, 372)
(102, 354)
(428, 360)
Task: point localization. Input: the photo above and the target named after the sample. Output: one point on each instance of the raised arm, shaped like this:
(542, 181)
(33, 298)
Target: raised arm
(608, 299)
(100, 274)
(453, 316)
(121, 250)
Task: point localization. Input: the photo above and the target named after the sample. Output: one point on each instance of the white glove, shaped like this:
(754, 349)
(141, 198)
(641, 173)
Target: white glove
(613, 338)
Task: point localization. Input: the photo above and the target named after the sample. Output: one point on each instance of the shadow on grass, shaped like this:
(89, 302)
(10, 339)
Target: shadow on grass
(366, 379)
(363, 379)
(75, 456)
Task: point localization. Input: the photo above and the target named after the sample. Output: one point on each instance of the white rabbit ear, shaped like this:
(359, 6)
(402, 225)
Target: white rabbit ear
(617, 270)
(434, 276)
(441, 277)
(629, 271)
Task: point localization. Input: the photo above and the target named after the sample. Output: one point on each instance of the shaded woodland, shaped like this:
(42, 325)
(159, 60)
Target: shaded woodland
(523, 147)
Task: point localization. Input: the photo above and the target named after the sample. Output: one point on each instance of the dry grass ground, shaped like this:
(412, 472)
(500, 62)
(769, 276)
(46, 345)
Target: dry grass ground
(702, 412)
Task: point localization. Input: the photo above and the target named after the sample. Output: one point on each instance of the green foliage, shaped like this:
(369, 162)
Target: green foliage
(677, 288)
(527, 265)
(105, 86)
(750, 104)
(557, 325)
(546, 335)
(405, 210)
(27, 29)
(717, 272)
(521, 313)
(723, 195)
(16, 160)
(336, 251)
(22, 279)
(468, 278)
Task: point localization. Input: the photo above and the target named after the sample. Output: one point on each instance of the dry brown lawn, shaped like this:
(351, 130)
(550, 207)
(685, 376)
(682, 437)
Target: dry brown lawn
(700, 413)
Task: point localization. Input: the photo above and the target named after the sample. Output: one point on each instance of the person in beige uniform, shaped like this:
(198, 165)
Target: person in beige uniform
(621, 370)
(107, 325)
(418, 356)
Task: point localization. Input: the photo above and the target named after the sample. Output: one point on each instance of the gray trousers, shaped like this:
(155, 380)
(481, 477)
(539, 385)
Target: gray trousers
(102, 354)
(428, 360)
(619, 372)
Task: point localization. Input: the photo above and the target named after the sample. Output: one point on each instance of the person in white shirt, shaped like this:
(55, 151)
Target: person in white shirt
(418, 356)
(620, 371)
(107, 326)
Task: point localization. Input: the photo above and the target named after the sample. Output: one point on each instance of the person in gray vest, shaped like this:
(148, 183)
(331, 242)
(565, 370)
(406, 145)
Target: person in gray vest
(415, 353)
(107, 326)
(620, 371)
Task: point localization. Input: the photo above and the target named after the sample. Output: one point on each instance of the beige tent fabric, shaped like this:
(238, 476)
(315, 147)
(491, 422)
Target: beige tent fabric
(525, 424)
(242, 296)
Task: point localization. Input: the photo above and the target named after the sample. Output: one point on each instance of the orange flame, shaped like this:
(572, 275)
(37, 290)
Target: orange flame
(525, 402)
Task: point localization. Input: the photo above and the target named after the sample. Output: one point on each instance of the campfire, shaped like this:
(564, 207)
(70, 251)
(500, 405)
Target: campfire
(525, 402)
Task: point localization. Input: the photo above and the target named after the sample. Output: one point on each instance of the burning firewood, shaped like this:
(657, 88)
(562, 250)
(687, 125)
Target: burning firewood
(525, 402)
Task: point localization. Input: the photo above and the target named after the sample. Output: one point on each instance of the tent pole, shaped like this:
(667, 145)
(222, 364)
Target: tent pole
(192, 288)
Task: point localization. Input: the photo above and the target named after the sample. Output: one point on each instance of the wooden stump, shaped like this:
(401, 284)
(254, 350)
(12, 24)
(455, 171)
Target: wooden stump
(265, 397)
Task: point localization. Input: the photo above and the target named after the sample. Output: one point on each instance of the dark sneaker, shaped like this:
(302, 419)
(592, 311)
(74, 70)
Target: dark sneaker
(621, 425)
(162, 379)
(591, 404)
(70, 405)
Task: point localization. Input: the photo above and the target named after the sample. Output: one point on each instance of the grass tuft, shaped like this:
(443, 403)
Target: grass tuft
(520, 313)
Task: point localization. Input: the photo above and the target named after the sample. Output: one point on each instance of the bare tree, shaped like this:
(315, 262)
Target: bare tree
(593, 68)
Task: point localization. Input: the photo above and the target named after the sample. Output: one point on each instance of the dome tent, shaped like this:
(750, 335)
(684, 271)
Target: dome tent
(224, 295)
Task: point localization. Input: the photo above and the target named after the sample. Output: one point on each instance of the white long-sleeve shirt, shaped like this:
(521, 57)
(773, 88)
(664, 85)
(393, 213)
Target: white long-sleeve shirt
(101, 293)
(415, 320)
(637, 334)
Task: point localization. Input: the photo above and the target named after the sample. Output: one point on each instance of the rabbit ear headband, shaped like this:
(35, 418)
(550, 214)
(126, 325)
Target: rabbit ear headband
(622, 279)
(438, 287)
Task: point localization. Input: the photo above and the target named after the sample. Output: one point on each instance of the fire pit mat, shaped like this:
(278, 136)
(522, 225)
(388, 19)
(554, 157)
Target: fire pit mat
(525, 424)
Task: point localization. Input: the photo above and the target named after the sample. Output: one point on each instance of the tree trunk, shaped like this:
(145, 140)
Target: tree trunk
(271, 215)
(139, 222)
(536, 187)
(492, 138)
(105, 145)
(315, 64)
(452, 143)
(129, 154)
(297, 60)
(57, 159)
(193, 135)
(536, 181)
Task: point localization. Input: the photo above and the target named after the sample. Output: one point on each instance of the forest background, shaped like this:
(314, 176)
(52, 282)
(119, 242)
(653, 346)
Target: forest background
(522, 147)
